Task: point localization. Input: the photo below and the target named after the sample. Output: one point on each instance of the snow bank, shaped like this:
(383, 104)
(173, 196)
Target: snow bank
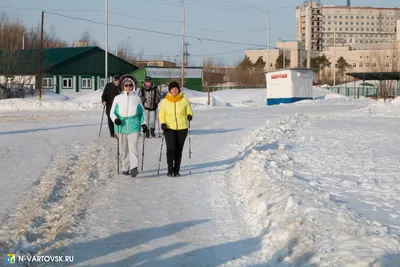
(54, 102)
(227, 98)
(303, 224)
(385, 108)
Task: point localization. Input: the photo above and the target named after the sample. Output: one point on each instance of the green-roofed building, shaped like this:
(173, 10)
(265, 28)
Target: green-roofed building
(66, 68)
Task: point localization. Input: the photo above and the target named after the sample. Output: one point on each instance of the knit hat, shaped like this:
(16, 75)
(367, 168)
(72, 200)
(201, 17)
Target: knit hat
(172, 85)
(128, 78)
(148, 79)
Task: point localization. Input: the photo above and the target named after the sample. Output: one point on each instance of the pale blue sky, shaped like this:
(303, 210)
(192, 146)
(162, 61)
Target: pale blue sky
(225, 20)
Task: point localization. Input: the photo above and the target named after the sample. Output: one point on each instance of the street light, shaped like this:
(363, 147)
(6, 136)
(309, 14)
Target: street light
(183, 44)
(284, 53)
(268, 32)
(202, 63)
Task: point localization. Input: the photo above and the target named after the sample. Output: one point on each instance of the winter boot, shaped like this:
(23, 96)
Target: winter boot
(125, 173)
(134, 172)
(170, 172)
(153, 134)
(147, 133)
(176, 172)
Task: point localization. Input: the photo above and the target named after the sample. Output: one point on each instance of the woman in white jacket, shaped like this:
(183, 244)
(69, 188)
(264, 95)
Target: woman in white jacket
(127, 112)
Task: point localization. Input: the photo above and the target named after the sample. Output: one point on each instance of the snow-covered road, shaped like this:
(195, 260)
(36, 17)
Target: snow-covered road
(232, 210)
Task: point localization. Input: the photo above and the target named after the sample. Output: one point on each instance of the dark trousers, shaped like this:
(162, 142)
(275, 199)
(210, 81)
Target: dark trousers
(175, 140)
(110, 123)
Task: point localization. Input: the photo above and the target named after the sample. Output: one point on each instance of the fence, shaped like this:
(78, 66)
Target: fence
(16, 91)
(364, 91)
(214, 88)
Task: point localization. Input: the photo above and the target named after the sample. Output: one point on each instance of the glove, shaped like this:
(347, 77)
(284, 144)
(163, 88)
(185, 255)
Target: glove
(144, 128)
(189, 117)
(164, 127)
(117, 121)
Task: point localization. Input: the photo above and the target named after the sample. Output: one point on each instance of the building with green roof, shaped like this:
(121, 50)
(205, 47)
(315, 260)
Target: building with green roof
(66, 68)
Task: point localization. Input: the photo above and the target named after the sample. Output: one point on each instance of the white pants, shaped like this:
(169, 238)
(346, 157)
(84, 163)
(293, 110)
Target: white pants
(128, 145)
(151, 118)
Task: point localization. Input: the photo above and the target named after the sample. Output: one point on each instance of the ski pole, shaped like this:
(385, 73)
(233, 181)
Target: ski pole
(119, 127)
(159, 162)
(144, 137)
(102, 116)
(190, 153)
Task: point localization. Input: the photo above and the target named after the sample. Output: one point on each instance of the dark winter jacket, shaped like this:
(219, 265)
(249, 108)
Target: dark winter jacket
(151, 96)
(109, 93)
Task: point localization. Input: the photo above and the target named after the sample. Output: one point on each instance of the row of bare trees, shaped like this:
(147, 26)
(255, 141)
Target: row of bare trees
(15, 35)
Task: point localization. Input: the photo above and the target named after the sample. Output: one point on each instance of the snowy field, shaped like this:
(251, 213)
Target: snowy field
(315, 183)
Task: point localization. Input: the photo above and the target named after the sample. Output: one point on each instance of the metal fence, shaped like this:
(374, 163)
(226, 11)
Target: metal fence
(364, 91)
(16, 91)
(217, 88)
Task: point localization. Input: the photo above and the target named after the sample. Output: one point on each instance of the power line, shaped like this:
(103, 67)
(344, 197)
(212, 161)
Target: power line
(152, 31)
(63, 10)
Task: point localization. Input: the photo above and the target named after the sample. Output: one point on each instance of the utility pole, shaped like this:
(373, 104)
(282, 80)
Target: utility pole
(106, 47)
(268, 45)
(41, 59)
(183, 45)
(186, 53)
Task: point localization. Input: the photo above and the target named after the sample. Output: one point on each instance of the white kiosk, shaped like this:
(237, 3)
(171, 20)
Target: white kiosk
(289, 86)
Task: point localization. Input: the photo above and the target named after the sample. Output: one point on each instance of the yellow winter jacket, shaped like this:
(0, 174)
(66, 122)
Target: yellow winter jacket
(174, 110)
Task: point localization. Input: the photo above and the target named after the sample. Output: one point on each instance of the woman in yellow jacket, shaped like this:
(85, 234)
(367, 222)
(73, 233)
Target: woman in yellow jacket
(174, 114)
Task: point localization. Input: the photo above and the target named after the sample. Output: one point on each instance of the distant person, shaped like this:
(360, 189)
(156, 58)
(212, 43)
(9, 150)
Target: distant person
(151, 97)
(127, 113)
(111, 90)
(175, 112)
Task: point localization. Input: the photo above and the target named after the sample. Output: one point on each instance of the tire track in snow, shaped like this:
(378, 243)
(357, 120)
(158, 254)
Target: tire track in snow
(51, 210)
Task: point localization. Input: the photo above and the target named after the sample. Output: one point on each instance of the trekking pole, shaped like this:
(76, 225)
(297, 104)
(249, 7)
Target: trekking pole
(144, 137)
(102, 116)
(119, 127)
(190, 153)
(159, 162)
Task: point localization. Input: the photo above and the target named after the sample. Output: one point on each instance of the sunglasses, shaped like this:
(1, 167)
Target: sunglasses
(128, 85)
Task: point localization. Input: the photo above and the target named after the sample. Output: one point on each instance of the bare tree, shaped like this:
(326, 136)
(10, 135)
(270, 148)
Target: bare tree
(384, 61)
(125, 50)
(15, 37)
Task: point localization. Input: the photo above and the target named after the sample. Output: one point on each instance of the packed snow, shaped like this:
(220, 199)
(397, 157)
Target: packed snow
(314, 183)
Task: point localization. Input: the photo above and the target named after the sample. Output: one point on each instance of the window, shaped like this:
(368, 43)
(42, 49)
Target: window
(354, 65)
(67, 82)
(86, 83)
(47, 82)
(102, 83)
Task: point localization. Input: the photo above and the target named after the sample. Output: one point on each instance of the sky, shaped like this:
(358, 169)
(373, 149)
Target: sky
(225, 27)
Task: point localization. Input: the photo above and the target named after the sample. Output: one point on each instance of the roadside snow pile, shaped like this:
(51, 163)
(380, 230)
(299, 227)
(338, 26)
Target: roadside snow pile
(241, 97)
(12, 105)
(53, 102)
(91, 97)
(388, 107)
(303, 224)
(227, 98)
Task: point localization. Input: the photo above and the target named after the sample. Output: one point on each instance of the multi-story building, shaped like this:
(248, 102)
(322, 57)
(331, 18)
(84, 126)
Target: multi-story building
(319, 27)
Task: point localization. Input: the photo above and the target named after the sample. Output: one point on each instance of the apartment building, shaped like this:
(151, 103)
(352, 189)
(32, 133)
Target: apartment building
(319, 27)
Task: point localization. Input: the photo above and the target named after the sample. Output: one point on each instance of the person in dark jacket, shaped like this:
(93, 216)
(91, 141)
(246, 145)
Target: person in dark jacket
(109, 93)
(151, 97)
